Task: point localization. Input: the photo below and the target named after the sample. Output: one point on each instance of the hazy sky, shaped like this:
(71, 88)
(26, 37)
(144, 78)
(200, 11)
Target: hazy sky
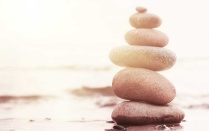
(68, 32)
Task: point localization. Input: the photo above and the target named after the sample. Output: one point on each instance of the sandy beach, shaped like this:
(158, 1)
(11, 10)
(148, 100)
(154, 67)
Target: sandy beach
(55, 73)
(77, 99)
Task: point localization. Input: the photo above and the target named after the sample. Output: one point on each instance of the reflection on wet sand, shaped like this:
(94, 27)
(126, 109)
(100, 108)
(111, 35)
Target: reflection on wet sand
(29, 98)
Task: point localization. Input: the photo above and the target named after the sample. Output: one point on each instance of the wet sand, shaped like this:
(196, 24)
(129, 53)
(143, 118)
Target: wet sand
(90, 111)
(77, 100)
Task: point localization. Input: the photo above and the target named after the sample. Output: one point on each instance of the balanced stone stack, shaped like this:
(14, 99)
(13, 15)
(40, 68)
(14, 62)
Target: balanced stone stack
(149, 93)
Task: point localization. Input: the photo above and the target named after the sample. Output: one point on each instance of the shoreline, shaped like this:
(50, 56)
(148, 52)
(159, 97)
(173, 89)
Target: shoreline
(78, 111)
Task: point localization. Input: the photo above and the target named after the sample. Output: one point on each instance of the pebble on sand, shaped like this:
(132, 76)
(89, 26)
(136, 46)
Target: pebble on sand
(138, 84)
(138, 113)
(146, 37)
(153, 58)
(145, 20)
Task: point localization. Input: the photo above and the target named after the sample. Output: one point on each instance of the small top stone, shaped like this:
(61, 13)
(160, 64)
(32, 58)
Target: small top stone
(142, 19)
(141, 9)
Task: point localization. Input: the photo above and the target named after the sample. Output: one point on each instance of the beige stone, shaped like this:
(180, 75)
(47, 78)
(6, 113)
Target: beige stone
(153, 58)
(138, 113)
(141, 9)
(146, 37)
(145, 20)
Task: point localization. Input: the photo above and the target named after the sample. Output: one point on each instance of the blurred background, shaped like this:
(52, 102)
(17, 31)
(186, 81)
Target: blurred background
(48, 47)
(78, 35)
(42, 33)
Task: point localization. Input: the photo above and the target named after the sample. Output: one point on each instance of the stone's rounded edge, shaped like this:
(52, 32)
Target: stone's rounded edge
(141, 9)
(145, 20)
(138, 113)
(153, 58)
(146, 37)
(143, 85)
(113, 56)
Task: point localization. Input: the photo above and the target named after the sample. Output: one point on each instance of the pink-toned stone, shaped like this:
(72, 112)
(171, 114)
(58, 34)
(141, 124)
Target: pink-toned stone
(144, 20)
(138, 113)
(146, 37)
(138, 84)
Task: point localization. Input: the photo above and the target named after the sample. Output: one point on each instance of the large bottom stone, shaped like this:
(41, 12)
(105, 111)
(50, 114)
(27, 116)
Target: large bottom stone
(138, 113)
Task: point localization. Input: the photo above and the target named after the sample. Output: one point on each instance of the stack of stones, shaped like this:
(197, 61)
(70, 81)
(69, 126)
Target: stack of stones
(149, 93)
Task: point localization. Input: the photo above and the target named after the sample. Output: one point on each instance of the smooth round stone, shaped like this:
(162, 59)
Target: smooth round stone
(153, 58)
(141, 9)
(137, 113)
(144, 20)
(146, 37)
(138, 84)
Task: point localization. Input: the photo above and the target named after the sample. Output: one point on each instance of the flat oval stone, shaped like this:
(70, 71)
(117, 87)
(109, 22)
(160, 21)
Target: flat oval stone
(153, 58)
(145, 20)
(138, 84)
(146, 37)
(137, 113)
(141, 9)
